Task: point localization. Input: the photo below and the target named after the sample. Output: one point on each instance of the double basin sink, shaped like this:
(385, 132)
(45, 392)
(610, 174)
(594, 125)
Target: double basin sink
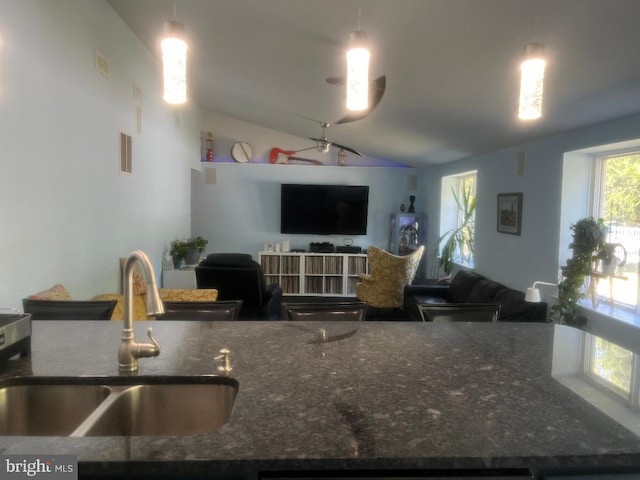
(115, 406)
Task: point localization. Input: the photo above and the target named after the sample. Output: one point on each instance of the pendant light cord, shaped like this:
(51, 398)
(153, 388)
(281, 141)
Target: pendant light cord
(535, 20)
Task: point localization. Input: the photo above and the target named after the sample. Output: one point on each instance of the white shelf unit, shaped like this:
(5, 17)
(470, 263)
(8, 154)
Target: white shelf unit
(328, 274)
(183, 278)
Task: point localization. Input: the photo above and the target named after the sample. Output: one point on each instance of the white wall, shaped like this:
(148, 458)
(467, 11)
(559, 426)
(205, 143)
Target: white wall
(67, 214)
(242, 210)
(518, 261)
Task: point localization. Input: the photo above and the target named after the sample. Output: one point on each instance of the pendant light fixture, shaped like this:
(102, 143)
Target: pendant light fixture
(532, 76)
(358, 70)
(174, 62)
(531, 82)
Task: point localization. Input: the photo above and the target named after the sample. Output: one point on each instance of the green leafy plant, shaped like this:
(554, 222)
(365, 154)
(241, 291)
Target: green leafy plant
(589, 235)
(459, 240)
(182, 248)
(198, 243)
(179, 249)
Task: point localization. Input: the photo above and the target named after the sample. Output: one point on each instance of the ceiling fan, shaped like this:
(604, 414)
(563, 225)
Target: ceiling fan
(278, 155)
(376, 91)
(323, 142)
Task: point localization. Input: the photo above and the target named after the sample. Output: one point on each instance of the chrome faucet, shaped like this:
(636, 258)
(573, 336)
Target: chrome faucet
(130, 350)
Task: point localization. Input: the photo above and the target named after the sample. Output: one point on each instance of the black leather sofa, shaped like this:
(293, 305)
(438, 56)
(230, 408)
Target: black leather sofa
(471, 287)
(237, 276)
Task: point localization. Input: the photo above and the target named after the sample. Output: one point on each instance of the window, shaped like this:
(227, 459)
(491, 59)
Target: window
(616, 199)
(609, 364)
(452, 211)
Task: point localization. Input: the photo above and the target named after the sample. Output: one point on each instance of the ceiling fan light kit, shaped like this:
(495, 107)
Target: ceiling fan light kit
(174, 63)
(531, 82)
(358, 72)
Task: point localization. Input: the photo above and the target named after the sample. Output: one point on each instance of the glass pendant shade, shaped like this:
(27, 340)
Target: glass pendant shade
(358, 72)
(531, 82)
(174, 63)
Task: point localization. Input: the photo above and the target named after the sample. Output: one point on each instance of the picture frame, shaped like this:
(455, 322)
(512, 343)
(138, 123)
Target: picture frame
(509, 213)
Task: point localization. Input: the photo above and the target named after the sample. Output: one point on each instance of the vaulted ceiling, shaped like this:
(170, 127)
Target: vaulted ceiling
(452, 67)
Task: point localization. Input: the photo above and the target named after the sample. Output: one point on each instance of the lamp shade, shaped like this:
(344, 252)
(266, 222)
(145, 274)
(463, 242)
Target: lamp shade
(358, 72)
(532, 295)
(174, 63)
(531, 82)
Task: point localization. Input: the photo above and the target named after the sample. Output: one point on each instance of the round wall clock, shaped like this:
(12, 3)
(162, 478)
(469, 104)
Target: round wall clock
(241, 152)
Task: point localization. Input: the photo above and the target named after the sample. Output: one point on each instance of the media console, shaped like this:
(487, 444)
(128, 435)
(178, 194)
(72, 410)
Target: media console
(329, 274)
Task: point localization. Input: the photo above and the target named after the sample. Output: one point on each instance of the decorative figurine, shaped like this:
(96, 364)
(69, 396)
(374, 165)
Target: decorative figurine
(402, 207)
(412, 199)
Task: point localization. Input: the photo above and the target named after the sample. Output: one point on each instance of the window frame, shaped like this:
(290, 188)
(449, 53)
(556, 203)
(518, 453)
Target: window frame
(449, 209)
(596, 206)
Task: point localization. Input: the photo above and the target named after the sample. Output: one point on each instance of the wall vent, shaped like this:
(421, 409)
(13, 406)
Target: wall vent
(101, 63)
(125, 153)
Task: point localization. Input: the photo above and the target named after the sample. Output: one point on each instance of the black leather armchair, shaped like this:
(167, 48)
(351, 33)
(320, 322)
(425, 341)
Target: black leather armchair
(237, 276)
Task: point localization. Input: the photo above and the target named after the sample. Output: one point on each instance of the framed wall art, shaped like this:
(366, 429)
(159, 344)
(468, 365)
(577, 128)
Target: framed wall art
(510, 213)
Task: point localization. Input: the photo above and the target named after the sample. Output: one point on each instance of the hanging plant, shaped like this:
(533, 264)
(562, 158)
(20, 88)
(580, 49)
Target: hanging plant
(589, 237)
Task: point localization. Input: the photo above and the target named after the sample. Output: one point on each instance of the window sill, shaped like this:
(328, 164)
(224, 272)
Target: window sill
(610, 312)
(616, 325)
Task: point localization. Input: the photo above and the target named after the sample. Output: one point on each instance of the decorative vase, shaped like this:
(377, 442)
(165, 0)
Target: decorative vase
(412, 208)
(178, 262)
(192, 257)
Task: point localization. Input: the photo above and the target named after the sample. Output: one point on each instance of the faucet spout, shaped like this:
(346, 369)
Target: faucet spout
(130, 350)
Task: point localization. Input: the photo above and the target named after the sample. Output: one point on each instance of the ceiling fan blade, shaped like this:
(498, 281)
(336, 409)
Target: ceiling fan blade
(348, 149)
(376, 91)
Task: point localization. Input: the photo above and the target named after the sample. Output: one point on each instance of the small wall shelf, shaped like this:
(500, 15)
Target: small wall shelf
(329, 274)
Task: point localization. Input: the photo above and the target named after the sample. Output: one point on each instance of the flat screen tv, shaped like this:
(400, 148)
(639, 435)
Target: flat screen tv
(324, 209)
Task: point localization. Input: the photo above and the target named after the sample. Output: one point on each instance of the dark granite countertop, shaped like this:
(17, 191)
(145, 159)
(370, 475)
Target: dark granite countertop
(375, 396)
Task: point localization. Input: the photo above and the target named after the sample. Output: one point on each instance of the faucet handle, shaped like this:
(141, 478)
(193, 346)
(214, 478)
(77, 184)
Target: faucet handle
(151, 337)
(226, 360)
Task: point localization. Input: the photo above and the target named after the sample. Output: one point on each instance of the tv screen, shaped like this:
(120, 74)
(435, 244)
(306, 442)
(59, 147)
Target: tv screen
(324, 209)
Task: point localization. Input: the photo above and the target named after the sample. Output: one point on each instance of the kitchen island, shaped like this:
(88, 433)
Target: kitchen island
(404, 397)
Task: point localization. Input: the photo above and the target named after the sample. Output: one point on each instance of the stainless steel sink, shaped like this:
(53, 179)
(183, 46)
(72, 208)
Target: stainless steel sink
(47, 409)
(115, 406)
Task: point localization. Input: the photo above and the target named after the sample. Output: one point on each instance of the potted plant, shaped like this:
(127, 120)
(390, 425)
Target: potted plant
(611, 256)
(589, 237)
(459, 240)
(179, 250)
(195, 247)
